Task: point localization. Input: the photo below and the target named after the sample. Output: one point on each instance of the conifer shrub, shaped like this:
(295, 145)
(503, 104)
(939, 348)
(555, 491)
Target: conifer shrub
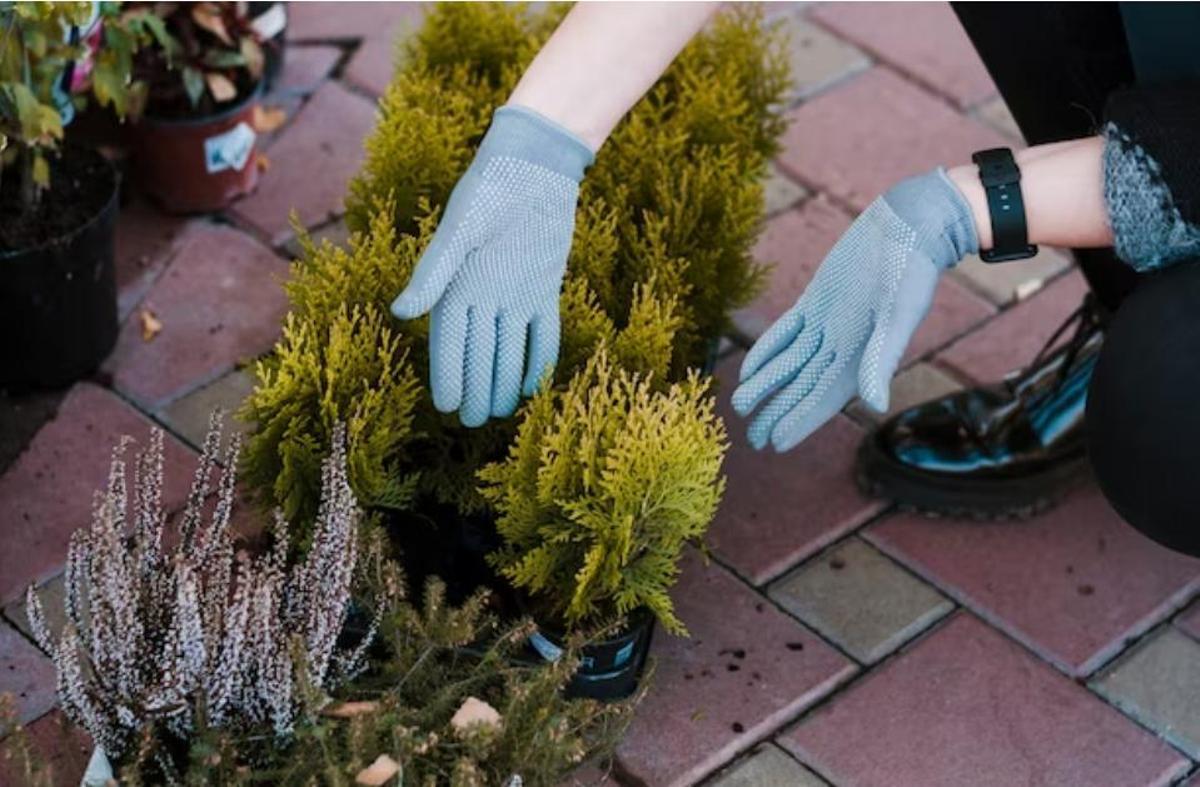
(606, 482)
(661, 253)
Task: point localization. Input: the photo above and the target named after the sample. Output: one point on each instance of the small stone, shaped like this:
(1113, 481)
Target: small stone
(473, 712)
(379, 772)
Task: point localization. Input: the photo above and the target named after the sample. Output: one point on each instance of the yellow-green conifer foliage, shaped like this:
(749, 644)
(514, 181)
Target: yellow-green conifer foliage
(661, 253)
(606, 483)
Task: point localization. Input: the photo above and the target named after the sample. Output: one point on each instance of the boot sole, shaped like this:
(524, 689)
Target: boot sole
(877, 475)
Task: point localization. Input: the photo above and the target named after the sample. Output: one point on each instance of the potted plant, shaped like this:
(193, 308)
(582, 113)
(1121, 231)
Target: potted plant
(195, 144)
(662, 254)
(606, 483)
(207, 662)
(58, 307)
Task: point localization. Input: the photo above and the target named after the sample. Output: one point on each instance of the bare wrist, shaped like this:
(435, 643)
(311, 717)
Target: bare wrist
(966, 179)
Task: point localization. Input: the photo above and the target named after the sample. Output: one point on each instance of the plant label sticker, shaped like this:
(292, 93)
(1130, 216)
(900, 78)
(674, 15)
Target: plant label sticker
(230, 150)
(545, 648)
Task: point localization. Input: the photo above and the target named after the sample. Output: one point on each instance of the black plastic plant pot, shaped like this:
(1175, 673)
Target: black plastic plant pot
(58, 300)
(610, 669)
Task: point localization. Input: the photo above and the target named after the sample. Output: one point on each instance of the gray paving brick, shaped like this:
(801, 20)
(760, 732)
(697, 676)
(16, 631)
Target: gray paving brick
(860, 599)
(1158, 683)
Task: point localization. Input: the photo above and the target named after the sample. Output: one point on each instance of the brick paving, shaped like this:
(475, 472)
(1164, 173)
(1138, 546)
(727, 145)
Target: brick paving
(834, 640)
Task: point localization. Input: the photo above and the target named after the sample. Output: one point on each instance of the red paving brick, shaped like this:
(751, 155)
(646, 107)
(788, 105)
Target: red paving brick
(781, 508)
(1189, 621)
(55, 743)
(874, 130)
(371, 67)
(145, 237)
(323, 21)
(965, 706)
(924, 40)
(1012, 340)
(699, 712)
(1073, 583)
(47, 493)
(26, 674)
(311, 164)
(220, 302)
(304, 68)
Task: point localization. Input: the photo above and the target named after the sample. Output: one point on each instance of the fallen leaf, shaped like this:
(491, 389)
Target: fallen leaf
(262, 162)
(474, 711)
(348, 710)
(379, 772)
(208, 16)
(151, 325)
(220, 86)
(267, 119)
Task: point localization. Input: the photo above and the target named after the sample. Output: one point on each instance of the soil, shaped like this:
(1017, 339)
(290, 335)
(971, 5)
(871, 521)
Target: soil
(168, 100)
(81, 184)
(439, 542)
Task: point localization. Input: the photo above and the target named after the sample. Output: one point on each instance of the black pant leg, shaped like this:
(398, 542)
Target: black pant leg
(1055, 65)
(1143, 425)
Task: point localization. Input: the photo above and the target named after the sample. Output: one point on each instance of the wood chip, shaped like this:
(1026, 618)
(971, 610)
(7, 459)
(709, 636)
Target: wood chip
(262, 162)
(348, 710)
(474, 711)
(378, 773)
(151, 325)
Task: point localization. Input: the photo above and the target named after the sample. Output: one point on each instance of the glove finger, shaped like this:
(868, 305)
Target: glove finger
(479, 368)
(447, 339)
(778, 336)
(761, 428)
(894, 327)
(778, 372)
(433, 273)
(831, 393)
(510, 365)
(543, 350)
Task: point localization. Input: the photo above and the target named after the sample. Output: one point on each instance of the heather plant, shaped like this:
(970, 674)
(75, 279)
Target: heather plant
(605, 484)
(162, 642)
(446, 702)
(661, 253)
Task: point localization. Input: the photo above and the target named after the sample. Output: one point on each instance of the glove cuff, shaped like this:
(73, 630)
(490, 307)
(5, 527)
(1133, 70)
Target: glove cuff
(521, 133)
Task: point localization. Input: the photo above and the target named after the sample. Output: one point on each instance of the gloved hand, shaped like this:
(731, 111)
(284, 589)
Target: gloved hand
(493, 271)
(851, 326)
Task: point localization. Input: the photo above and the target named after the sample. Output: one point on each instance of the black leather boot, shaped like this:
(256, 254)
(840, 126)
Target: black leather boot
(1005, 450)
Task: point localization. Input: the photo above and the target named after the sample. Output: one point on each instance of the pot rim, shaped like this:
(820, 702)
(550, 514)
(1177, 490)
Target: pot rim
(250, 98)
(636, 620)
(109, 204)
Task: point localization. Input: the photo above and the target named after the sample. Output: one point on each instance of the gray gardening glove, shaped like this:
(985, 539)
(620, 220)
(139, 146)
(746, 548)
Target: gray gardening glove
(851, 326)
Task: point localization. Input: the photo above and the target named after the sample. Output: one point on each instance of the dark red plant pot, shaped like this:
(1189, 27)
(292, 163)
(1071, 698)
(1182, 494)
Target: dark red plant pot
(58, 301)
(198, 165)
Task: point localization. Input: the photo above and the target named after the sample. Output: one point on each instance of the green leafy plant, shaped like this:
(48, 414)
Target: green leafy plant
(37, 58)
(661, 253)
(204, 55)
(605, 484)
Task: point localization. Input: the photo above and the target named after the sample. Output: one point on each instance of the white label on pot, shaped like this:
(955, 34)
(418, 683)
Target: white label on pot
(230, 150)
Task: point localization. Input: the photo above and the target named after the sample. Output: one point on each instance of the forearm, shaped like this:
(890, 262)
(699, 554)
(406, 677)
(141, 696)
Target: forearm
(602, 59)
(1062, 185)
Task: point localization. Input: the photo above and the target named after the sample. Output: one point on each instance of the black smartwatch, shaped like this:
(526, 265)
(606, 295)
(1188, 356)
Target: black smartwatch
(1001, 180)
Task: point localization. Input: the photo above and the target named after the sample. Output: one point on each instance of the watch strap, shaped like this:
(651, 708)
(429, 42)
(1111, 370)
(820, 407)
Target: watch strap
(1001, 179)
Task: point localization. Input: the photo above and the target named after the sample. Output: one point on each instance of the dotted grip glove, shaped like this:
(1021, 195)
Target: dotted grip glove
(493, 271)
(851, 326)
